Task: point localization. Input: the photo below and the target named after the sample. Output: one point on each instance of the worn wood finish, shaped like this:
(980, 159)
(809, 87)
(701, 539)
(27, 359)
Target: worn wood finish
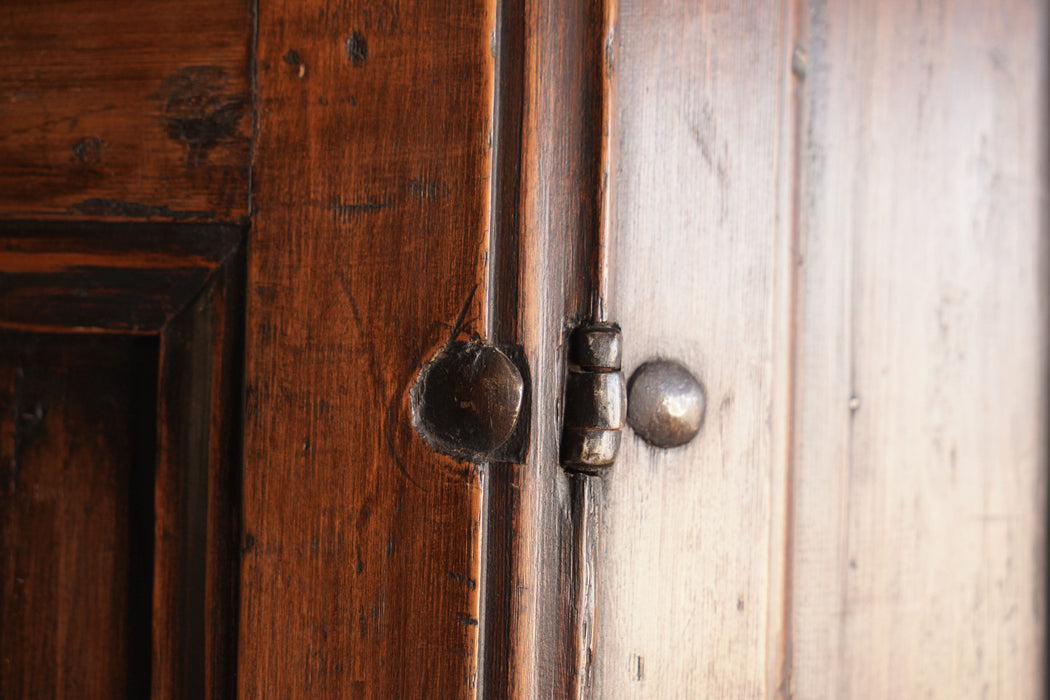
(920, 453)
(86, 276)
(550, 108)
(124, 110)
(686, 574)
(76, 450)
(360, 565)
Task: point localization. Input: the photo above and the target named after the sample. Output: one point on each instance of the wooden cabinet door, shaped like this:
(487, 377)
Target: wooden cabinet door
(835, 214)
(232, 233)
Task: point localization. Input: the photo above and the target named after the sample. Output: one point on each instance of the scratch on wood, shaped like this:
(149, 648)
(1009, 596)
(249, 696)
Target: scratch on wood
(466, 620)
(465, 580)
(425, 189)
(344, 211)
(391, 415)
(460, 317)
(717, 158)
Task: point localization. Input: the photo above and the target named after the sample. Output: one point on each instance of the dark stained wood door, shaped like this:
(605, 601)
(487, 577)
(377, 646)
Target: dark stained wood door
(124, 170)
(232, 232)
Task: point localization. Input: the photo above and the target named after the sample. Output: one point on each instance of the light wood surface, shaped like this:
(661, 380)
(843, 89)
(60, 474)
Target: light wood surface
(685, 585)
(835, 215)
(921, 425)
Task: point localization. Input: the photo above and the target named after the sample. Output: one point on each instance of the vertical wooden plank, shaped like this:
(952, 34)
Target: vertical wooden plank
(919, 541)
(546, 209)
(687, 589)
(360, 564)
(76, 439)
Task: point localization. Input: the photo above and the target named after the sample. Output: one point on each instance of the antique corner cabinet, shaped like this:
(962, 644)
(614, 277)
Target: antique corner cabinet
(232, 232)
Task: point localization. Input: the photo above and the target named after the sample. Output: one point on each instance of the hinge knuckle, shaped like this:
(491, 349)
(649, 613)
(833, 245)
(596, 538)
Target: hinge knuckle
(595, 399)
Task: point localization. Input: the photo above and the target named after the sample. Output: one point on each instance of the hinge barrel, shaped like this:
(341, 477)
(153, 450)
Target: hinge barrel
(595, 399)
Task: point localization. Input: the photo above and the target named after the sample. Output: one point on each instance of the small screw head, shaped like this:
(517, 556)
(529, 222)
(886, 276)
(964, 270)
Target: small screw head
(665, 403)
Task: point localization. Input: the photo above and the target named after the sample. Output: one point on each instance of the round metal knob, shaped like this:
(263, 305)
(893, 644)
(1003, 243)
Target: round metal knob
(467, 399)
(665, 403)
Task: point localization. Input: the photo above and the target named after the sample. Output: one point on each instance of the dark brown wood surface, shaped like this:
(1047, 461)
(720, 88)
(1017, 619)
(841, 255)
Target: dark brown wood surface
(196, 494)
(168, 523)
(360, 568)
(112, 277)
(76, 420)
(125, 110)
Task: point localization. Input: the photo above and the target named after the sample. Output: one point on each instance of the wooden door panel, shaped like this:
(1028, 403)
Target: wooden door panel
(833, 213)
(920, 445)
(120, 449)
(76, 417)
(545, 248)
(689, 567)
(110, 278)
(846, 240)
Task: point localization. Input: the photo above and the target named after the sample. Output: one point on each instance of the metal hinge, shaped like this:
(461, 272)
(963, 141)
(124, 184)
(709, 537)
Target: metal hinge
(472, 401)
(595, 399)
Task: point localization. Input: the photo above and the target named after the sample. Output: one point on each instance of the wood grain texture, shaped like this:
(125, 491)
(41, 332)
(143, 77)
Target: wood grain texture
(109, 277)
(687, 581)
(195, 500)
(168, 523)
(360, 564)
(76, 444)
(536, 516)
(920, 453)
(121, 110)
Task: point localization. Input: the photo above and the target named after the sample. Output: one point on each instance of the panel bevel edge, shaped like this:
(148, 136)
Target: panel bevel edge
(196, 493)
